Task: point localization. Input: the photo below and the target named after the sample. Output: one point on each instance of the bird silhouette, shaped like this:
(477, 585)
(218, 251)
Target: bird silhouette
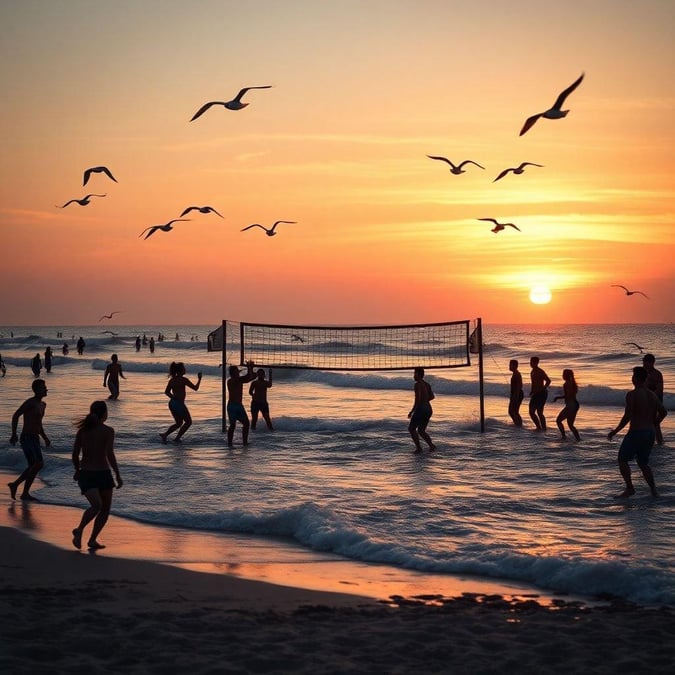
(110, 316)
(456, 168)
(636, 345)
(499, 226)
(556, 112)
(82, 202)
(97, 169)
(234, 104)
(296, 338)
(201, 209)
(110, 332)
(629, 292)
(167, 227)
(272, 230)
(517, 169)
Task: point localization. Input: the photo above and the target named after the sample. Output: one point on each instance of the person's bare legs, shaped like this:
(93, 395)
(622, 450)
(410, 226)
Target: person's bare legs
(559, 422)
(177, 421)
(268, 421)
(649, 477)
(94, 498)
(245, 426)
(230, 432)
(101, 518)
(624, 468)
(187, 423)
(254, 419)
(27, 477)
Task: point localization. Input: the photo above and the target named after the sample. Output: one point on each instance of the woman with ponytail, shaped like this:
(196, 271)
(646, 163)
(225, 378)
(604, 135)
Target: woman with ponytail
(94, 442)
(176, 391)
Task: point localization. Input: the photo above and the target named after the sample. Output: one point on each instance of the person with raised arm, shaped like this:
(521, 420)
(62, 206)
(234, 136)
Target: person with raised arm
(235, 407)
(176, 391)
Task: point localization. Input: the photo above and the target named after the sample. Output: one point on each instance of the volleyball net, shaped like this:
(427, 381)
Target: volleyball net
(402, 347)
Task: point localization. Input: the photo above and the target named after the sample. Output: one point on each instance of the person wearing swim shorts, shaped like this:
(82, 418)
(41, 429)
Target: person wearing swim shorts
(421, 412)
(259, 403)
(540, 383)
(111, 377)
(235, 407)
(176, 391)
(32, 410)
(642, 413)
(95, 441)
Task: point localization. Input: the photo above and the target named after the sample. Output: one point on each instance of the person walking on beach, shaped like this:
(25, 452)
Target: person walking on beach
(259, 404)
(32, 410)
(643, 412)
(48, 359)
(517, 395)
(569, 412)
(111, 377)
(540, 382)
(176, 390)
(235, 407)
(421, 411)
(36, 365)
(81, 344)
(94, 441)
(654, 383)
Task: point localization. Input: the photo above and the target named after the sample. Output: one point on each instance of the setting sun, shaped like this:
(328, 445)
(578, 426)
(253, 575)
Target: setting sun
(540, 295)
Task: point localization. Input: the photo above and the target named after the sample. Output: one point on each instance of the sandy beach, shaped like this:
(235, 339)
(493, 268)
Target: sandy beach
(68, 611)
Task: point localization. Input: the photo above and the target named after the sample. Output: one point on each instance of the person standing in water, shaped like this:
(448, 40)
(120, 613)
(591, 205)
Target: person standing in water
(421, 411)
(235, 406)
(654, 383)
(569, 412)
(176, 390)
(94, 441)
(517, 395)
(111, 377)
(643, 412)
(32, 410)
(540, 383)
(259, 403)
(48, 359)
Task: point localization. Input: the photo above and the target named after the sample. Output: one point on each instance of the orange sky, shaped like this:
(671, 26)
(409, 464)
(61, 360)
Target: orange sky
(362, 92)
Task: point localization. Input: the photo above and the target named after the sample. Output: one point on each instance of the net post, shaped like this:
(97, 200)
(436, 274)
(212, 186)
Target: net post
(224, 378)
(479, 336)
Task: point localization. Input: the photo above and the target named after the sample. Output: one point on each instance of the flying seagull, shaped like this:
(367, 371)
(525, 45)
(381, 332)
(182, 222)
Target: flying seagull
(499, 226)
(637, 346)
(456, 169)
(518, 169)
(109, 316)
(109, 331)
(98, 169)
(201, 209)
(296, 338)
(234, 104)
(629, 292)
(272, 231)
(82, 202)
(556, 112)
(165, 228)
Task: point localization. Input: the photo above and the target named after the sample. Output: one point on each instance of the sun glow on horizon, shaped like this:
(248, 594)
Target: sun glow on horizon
(540, 295)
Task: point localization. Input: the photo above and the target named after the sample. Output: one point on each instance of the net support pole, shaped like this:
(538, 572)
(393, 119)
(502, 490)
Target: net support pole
(481, 389)
(224, 377)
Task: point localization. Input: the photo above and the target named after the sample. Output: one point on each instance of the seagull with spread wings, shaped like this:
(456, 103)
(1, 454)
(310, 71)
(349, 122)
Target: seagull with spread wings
(629, 292)
(97, 169)
(272, 230)
(234, 104)
(82, 202)
(556, 112)
(637, 346)
(456, 168)
(167, 227)
(499, 226)
(201, 209)
(516, 169)
(110, 316)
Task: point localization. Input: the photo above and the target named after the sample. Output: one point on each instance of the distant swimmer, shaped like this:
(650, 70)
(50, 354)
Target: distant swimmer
(629, 292)
(97, 169)
(456, 168)
(167, 227)
(555, 112)
(636, 345)
(109, 332)
(499, 226)
(234, 104)
(82, 202)
(201, 209)
(517, 170)
(110, 316)
(272, 231)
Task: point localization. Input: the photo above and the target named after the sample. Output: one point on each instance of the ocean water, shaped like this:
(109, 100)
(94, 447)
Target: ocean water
(338, 473)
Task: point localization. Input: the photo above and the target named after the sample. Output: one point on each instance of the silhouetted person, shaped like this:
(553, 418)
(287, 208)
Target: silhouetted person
(138, 343)
(569, 412)
(111, 377)
(94, 441)
(81, 344)
(48, 359)
(259, 403)
(235, 407)
(36, 365)
(540, 382)
(3, 368)
(516, 393)
(65, 349)
(151, 344)
(32, 410)
(421, 411)
(654, 383)
(643, 411)
(176, 391)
